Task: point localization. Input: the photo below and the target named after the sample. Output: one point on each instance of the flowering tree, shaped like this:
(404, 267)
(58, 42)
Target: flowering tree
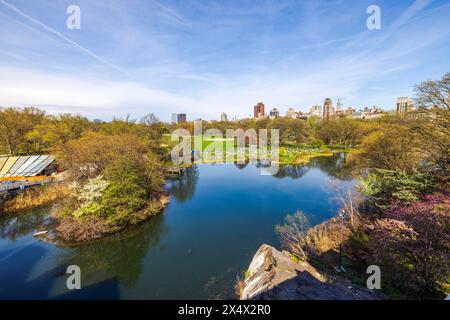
(88, 195)
(413, 242)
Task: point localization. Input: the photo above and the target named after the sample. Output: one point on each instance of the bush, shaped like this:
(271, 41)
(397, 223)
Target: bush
(294, 234)
(304, 241)
(383, 185)
(81, 230)
(411, 244)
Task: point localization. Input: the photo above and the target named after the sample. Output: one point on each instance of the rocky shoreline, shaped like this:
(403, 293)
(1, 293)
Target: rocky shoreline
(274, 275)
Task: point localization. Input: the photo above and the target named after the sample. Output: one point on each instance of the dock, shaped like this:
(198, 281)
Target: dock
(10, 186)
(174, 170)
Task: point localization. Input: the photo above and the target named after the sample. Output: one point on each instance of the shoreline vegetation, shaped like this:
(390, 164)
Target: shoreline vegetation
(70, 232)
(35, 197)
(398, 218)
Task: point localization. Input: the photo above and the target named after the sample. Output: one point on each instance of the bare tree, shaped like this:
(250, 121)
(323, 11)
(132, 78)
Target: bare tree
(294, 234)
(433, 125)
(350, 206)
(150, 119)
(434, 93)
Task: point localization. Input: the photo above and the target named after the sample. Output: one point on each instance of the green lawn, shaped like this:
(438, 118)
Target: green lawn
(288, 154)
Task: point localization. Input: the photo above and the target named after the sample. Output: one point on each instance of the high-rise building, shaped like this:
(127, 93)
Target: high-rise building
(315, 111)
(258, 110)
(339, 105)
(178, 118)
(291, 113)
(223, 117)
(404, 105)
(328, 110)
(274, 113)
(181, 117)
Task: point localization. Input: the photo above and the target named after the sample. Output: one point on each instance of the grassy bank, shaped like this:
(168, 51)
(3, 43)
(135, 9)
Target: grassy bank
(34, 197)
(217, 150)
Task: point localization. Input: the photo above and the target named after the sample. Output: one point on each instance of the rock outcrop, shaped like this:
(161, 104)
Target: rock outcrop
(273, 275)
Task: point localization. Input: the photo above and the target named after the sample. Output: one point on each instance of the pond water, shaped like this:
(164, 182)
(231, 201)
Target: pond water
(218, 217)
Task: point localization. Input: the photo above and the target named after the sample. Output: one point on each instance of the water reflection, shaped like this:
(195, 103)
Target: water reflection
(241, 166)
(182, 187)
(119, 257)
(106, 265)
(289, 171)
(218, 218)
(334, 166)
(15, 226)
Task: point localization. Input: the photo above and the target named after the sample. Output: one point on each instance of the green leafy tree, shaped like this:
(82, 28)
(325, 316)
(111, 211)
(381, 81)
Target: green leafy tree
(390, 147)
(344, 132)
(384, 185)
(55, 131)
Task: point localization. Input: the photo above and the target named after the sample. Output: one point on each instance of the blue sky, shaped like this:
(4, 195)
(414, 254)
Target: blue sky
(204, 57)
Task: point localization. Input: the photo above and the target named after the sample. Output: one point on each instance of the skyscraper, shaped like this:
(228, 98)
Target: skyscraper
(178, 118)
(339, 105)
(258, 110)
(223, 117)
(181, 117)
(404, 105)
(328, 109)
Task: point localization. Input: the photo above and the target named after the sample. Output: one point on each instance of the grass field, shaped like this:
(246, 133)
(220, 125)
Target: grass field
(219, 149)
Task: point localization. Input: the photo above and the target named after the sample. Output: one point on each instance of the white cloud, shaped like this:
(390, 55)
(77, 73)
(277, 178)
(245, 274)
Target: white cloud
(163, 75)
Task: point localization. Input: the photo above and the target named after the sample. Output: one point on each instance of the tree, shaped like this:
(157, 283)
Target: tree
(15, 123)
(294, 234)
(150, 120)
(390, 147)
(344, 132)
(434, 93)
(55, 131)
(88, 156)
(432, 122)
(126, 194)
(291, 130)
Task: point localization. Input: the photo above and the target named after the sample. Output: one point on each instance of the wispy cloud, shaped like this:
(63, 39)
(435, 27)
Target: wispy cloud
(170, 13)
(58, 34)
(203, 58)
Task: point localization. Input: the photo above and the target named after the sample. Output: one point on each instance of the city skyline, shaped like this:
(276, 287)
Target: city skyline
(285, 53)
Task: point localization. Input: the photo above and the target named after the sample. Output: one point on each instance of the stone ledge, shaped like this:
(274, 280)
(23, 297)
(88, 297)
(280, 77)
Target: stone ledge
(273, 275)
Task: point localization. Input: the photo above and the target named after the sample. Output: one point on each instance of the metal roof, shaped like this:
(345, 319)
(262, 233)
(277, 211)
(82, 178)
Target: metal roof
(25, 166)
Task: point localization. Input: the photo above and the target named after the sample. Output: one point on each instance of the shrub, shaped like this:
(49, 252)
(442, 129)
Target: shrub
(294, 234)
(412, 245)
(304, 241)
(34, 197)
(383, 185)
(80, 230)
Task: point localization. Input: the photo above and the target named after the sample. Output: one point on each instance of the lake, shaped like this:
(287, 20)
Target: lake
(218, 217)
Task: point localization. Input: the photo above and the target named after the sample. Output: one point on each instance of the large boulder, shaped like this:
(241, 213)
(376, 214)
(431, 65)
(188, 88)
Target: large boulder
(273, 275)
